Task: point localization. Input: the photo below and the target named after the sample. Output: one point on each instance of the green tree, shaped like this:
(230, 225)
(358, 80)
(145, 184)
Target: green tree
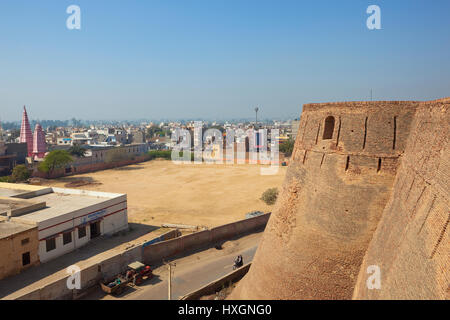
(156, 131)
(20, 173)
(270, 196)
(77, 151)
(56, 159)
(160, 154)
(287, 147)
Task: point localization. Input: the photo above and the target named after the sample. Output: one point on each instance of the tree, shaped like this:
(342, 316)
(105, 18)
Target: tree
(156, 131)
(287, 147)
(270, 196)
(56, 159)
(20, 173)
(77, 151)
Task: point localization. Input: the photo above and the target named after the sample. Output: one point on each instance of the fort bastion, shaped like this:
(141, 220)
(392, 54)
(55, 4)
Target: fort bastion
(367, 185)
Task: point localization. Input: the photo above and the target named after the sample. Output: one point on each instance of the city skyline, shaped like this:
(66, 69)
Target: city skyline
(216, 60)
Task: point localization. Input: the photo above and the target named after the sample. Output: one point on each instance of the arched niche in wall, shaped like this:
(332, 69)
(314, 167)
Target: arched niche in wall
(329, 128)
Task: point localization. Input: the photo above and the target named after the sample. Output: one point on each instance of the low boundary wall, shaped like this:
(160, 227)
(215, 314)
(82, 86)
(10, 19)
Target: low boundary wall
(218, 284)
(157, 252)
(91, 167)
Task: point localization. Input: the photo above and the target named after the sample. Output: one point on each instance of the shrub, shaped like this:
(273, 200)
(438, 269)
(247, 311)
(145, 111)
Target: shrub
(20, 173)
(6, 179)
(160, 154)
(165, 154)
(270, 196)
(77, 151)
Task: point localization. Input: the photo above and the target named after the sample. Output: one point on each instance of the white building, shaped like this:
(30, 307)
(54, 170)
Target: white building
(66, 219)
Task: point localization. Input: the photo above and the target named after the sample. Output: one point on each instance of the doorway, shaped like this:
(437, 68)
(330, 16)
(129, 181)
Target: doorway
(95, 229)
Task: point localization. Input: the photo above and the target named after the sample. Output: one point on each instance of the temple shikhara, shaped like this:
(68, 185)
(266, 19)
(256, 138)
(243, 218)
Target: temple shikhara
(36, 145)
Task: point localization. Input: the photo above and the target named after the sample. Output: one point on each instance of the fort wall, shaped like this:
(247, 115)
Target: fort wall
(340, 179)
(412, 243)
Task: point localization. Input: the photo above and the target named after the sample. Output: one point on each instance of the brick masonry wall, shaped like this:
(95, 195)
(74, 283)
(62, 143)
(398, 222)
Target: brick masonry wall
(92, 167)
(332, 200)
(11, 250)
(412, 243)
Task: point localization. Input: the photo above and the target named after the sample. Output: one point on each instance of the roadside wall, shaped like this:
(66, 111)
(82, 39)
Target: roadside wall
(157, 252)
(214, 286)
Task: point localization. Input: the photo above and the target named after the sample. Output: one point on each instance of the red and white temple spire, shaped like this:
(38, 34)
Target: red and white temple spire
(39, 145)
(26, 136)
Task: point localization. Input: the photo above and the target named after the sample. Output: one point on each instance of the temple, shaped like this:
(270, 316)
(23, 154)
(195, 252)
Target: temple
(26, 136)
(39, 147)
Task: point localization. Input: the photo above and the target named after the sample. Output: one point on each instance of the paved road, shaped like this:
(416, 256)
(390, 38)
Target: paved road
(186, 280)
(191, 272)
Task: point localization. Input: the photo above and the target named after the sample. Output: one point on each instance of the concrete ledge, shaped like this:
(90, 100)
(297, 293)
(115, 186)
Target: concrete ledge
(19, 206)
(218, 284)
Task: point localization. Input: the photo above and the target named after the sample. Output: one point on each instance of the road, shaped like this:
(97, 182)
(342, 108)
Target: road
(191, 272)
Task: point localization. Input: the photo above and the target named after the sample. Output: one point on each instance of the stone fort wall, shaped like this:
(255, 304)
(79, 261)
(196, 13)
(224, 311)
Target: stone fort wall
(412, 243)
(340, 179)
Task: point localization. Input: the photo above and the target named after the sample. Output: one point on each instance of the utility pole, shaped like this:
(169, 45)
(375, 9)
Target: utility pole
(170, 264)
(1, 131)
(371, 95)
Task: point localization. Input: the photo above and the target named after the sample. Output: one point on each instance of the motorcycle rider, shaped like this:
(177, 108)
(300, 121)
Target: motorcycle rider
(238, 261)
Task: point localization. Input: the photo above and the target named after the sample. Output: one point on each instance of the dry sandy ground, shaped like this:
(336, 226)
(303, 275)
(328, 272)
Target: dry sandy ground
(160, 191)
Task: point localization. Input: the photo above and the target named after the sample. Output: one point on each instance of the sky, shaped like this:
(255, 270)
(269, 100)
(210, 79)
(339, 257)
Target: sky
(216, 59)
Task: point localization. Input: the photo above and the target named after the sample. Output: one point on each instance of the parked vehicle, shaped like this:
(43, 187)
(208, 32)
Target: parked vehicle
(115, 286)
(135, 274)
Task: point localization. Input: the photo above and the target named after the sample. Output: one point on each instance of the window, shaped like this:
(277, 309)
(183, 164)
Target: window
(50, 244)
(81, 232)
(67, 238)
(25, 241)
(329, 128)
(26, 259)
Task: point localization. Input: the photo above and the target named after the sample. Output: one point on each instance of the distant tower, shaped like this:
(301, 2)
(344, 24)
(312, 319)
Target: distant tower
(1, 132)
(39, 146)
(2, 143)
(26, 136)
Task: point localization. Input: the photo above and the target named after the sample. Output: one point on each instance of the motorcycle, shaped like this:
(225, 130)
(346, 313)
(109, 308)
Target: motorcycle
(238, 262)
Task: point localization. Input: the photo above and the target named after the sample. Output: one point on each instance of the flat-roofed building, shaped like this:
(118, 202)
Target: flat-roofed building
(18, 247)
(64, 219)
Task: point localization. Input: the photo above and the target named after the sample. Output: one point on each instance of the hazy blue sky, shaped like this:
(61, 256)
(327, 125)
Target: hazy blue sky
(216, 58)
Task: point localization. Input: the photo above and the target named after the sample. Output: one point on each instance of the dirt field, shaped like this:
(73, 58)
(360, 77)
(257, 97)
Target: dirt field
(161, 192)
